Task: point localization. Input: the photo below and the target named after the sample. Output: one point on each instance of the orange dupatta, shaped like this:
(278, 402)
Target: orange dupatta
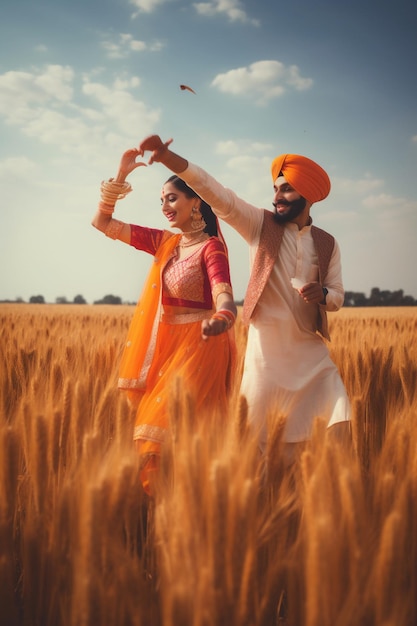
(141, 338)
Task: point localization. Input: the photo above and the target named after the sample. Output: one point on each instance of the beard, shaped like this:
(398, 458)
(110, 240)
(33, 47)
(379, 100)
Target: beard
(294, 209)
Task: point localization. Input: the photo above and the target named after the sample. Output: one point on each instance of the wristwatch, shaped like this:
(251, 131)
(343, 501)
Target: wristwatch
(325, 292)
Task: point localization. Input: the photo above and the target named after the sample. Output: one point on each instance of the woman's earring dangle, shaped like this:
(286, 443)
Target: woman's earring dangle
(197, 220)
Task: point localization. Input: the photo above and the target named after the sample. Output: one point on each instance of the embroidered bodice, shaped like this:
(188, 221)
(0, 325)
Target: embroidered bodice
(193, 282)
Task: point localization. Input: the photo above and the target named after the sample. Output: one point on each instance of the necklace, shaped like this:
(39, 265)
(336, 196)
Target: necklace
(191, 241)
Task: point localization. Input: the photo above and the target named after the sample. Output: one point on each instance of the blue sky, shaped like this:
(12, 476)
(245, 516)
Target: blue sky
(82, 81)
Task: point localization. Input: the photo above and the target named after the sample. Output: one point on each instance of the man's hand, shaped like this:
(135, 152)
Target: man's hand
(156, 146)
(312, 293)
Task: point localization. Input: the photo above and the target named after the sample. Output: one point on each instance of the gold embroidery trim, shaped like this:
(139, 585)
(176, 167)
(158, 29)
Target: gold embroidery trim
(114, 229)
(186, 318)
(221, 288)
(130, 383)
(150, 433)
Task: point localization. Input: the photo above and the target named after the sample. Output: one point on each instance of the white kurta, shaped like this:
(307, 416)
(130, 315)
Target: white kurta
(288, 369)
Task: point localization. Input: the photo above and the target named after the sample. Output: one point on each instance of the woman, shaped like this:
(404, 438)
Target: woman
(183, 320)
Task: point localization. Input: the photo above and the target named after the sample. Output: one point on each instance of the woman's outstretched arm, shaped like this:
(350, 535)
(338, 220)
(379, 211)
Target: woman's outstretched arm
(113, 190)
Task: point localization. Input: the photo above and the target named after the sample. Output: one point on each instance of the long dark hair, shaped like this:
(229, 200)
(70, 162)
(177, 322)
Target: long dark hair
(205, 209)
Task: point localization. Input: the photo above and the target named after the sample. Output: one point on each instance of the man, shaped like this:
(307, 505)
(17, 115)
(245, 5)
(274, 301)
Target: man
(295, 279)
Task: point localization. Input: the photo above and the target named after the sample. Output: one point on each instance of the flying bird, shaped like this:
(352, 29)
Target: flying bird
(187, 87)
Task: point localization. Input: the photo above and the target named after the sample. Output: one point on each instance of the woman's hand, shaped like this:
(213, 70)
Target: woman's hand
(128, 163)
(156, 146)
(223, 319)
(212, 327)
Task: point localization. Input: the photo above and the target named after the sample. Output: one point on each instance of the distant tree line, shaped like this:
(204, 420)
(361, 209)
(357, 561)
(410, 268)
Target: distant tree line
(377, 297)
(109, 299)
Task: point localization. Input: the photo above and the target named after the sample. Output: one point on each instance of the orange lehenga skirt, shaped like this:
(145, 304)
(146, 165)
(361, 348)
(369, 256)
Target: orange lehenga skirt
(204, 370)
(163, 349)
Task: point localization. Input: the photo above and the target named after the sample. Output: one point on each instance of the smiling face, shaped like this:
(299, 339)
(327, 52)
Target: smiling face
(177, 207)
(289, 205)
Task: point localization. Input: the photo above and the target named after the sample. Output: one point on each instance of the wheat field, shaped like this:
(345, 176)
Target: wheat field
(228, 539)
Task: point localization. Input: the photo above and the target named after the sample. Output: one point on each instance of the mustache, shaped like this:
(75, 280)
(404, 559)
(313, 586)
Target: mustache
(284, 202)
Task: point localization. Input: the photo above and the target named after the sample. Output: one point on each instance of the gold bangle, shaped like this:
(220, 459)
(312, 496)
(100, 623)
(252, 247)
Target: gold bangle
(113, 229)
(226, 316)
(111, 191)
(106, 209)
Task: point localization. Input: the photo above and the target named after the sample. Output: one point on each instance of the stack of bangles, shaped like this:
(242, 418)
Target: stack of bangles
(111, 191)
(226, 316)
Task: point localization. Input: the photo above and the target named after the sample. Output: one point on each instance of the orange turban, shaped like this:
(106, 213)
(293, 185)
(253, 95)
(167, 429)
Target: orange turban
(306, 176)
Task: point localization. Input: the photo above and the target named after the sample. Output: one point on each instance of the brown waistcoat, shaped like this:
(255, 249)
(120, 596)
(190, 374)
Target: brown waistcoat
(266, 255)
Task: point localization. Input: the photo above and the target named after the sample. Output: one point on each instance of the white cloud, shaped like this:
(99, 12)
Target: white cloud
(232, 8)
(356, 186)
(414, 138)
(21, 92)
(46, 105)
(232, 147)
(262, 80)
(137, 46)
(147, 6)
(121, 110)
(293, 79)
(113, 50)
(258, 146)
(126, 44)
(156, 46)
(229, 147)
(380, 208)
(244, 163)
(246, 169)
(16, 167)
(56, 82)
(56, 128)
(391, 206)
(127, 82)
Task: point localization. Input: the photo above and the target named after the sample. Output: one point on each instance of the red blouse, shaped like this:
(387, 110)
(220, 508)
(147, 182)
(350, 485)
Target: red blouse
(193, 282)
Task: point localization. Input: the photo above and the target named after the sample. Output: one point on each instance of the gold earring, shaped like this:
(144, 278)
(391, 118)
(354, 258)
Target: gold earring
(197, 220)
